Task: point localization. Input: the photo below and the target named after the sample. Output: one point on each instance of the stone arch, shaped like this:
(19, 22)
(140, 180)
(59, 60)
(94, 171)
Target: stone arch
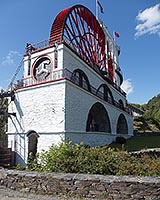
(122, 127)
(81, 79)
(32, 142)
(105, 93)
(98, 119)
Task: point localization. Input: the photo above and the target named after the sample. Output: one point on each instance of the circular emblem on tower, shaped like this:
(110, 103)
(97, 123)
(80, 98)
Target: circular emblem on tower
(42, 69)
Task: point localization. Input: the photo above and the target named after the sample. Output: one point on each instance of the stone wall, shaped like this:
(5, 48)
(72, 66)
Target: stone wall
(91, 186)
(152, 153)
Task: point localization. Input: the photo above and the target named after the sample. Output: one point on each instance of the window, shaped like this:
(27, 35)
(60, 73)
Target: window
(81, 79)
(105, 93)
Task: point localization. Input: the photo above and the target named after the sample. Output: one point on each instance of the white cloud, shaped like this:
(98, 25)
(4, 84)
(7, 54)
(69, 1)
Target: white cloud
(148, 21)
(10, 58)
(127, 86)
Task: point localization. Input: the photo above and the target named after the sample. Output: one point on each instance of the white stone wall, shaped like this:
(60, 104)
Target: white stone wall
(59, 110)
(50, 53)
(33, 57)
(46, 140)
(39, 108)
(93, 139)
(77, 106)
(19, 144)
(72, 62)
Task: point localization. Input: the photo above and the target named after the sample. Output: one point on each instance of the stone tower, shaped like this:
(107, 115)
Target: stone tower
(70, 89)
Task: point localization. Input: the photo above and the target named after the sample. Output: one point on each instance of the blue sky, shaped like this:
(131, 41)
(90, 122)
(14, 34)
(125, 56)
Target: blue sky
(136, 21)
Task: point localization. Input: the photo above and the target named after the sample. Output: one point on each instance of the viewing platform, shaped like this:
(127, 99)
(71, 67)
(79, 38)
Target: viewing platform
(65, 74)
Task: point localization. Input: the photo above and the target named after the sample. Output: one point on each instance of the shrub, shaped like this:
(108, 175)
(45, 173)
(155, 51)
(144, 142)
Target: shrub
(69, 158)
(120, 140)
(20, 167)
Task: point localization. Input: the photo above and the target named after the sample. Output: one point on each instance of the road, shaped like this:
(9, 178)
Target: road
(7, 194)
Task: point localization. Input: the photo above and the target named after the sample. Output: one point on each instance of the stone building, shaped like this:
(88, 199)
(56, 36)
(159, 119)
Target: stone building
(70, 88)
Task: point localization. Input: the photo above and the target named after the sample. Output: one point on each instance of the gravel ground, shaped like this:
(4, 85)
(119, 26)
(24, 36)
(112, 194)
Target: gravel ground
(7, 194)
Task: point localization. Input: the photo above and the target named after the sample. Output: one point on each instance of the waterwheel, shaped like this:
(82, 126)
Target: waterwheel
(78, 28)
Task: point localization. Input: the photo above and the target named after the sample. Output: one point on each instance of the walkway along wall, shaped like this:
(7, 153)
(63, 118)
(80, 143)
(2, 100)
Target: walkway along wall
(92, 186)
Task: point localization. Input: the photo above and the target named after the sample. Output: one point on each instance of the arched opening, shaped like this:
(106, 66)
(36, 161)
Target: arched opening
(81, 79)
(98, 119)
(32, 144)
(105, 93)
(122, 127)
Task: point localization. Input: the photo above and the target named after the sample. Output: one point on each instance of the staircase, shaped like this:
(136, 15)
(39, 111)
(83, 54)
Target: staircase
(10, 86)
(5, 157)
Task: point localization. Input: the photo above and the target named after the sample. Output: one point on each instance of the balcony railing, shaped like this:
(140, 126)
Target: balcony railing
(66, 74)
(46, 43)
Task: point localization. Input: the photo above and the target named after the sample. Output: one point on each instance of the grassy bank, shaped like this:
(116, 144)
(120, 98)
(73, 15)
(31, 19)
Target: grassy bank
(138, 143)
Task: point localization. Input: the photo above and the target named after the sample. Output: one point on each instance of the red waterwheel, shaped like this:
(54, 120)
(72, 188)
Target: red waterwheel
(78, 27)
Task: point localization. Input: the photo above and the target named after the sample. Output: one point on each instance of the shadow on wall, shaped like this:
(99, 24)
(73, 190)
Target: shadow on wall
(18, 159)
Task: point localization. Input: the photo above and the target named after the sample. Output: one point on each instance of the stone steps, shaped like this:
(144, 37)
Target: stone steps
(5, 157)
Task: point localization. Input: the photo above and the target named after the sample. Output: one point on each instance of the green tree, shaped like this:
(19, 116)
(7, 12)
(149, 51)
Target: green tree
(3, 119)
(150, 120)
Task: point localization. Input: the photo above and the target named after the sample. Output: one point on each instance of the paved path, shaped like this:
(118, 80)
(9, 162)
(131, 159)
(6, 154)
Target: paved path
(7, 194)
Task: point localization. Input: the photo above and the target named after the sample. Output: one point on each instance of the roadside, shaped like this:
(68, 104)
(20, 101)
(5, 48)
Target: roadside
(7, 194)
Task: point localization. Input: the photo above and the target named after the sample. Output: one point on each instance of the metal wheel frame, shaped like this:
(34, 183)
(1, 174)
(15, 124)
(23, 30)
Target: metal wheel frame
(78, 27)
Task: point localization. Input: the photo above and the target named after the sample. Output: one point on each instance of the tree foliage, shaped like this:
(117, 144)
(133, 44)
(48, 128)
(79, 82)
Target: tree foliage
(152, 108)
(3, 119)
(150, 120)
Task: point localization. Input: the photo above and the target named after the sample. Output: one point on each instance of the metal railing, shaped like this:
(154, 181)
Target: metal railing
(46, 43)
(66, 74)
(41, 44)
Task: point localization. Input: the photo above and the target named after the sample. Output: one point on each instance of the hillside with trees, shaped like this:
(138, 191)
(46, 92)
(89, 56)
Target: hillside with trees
(150, 120)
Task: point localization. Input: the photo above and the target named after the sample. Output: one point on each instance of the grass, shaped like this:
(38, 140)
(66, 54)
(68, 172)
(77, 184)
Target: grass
(138, 143)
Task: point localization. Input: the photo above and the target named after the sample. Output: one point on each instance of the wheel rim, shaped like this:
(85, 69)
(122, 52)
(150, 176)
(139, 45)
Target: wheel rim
(78, 27)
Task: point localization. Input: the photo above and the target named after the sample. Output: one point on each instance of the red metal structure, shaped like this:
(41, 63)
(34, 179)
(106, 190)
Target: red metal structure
(79, 29)
(110, 69)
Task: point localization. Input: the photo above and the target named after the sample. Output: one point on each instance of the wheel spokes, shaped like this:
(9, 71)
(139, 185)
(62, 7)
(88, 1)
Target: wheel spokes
(82, 32)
